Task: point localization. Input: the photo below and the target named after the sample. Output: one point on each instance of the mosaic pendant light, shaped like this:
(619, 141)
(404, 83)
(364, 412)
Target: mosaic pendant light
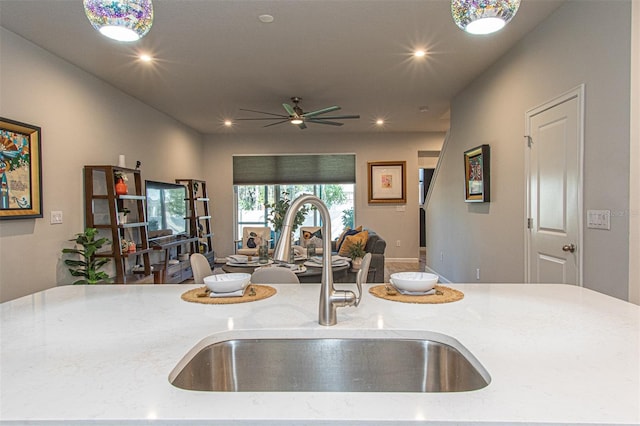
(122, 20)
(483, 16)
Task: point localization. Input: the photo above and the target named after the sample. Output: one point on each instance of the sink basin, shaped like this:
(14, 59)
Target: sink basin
(373, 362)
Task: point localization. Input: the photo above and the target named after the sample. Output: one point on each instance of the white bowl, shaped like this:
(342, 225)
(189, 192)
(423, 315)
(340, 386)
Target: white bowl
(415, 282)
(227, 283)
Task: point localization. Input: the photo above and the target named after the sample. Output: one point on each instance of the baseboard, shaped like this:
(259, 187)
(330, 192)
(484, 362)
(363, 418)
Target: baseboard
(401, 260)
(441, 278)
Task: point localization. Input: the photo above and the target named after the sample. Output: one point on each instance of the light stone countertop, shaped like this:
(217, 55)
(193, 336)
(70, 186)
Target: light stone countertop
(556, 354)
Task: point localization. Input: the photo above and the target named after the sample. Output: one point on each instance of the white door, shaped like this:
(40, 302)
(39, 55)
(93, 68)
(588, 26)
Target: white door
(554, 190)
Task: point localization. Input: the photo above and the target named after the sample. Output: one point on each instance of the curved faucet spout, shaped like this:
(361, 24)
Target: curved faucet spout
(330, 298)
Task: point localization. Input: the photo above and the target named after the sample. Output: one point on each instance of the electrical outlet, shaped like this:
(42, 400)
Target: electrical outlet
(478, 274)
(397, 243)
(56, 217)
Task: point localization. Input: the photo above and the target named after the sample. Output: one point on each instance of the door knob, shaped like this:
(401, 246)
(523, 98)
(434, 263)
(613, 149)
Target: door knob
(569, 247)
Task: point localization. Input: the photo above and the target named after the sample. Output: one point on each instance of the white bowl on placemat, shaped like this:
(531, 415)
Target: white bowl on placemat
(414, 282)
(227, 283)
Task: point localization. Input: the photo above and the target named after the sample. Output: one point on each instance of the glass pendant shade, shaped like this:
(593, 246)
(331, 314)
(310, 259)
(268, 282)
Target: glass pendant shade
(483, 16)
(122, 20)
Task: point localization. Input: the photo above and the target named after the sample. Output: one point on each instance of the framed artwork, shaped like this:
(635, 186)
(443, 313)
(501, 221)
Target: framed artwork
(387, 182)
(20, 170)
(476, 175)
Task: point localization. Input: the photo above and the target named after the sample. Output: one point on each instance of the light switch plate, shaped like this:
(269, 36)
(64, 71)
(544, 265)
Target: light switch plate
(599, 219)
(56, 217)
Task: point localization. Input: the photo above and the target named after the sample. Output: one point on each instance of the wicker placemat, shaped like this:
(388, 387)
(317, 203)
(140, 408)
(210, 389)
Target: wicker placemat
(200, 295)
(442, 295)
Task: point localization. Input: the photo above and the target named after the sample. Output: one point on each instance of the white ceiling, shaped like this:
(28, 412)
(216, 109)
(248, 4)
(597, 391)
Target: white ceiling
(214, 57)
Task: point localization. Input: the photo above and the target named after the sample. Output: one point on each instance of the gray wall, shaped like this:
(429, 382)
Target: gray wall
(386, 220)
(634, 155)
(583, 42)
(84, 121)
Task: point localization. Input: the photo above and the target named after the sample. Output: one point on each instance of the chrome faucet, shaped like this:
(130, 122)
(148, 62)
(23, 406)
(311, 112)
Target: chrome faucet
(330, 298)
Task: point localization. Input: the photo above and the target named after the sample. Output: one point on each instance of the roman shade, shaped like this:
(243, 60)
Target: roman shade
(294, 169)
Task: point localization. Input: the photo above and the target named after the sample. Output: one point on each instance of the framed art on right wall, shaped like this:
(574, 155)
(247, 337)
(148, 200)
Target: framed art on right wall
(477, 175)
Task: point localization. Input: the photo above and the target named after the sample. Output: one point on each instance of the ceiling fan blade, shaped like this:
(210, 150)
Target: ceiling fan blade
(265, 118)
(337, 117)
(321, 111)
(277, 122)
(263, 112)
(289, 110)
(331, 123)
(302, 126)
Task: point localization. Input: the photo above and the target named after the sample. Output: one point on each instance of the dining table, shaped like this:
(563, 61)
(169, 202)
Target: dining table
(311, 274)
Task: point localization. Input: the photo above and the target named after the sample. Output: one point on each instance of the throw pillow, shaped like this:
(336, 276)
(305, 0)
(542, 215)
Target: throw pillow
(350, 240)
(347, 231)
(311, 235)
(254, 237)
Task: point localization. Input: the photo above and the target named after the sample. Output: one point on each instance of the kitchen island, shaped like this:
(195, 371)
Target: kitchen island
(556, 354)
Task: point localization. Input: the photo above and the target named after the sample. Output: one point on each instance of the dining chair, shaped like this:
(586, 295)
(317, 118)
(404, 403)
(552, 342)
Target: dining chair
(200, 267)
(363, 273)
(274, 275)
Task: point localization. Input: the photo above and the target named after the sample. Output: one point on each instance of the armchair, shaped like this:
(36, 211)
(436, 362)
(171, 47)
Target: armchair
(252, 238)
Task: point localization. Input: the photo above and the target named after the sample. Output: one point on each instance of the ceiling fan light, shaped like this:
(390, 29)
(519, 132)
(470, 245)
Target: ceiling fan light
(296, 121)
(485, 26)
(121, 20)
(119, 33)
(483, 16)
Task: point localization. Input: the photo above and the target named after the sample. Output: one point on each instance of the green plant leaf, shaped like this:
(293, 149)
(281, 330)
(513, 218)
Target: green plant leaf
(70, 262)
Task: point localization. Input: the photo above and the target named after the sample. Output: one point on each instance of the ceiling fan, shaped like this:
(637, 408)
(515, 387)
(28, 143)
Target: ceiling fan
(295, 115)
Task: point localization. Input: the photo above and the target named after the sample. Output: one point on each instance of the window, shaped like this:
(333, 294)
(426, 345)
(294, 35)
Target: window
(263, 180)
(251, 201)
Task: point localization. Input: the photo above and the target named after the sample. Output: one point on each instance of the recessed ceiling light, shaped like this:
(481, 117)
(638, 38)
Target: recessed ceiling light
(145, 57)
(228, 123)
(267, 19)
(379, 121)
(419, 53)
(423, 108)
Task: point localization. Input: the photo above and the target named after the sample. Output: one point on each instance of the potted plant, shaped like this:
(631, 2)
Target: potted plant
(356, 253)
(122, 215)
(279, 209)
(88, 266)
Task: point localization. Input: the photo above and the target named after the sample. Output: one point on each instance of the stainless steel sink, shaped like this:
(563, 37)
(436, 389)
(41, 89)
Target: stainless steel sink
(370, 363)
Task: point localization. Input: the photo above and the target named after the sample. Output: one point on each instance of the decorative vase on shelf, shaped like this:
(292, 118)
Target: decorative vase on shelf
(121, 187)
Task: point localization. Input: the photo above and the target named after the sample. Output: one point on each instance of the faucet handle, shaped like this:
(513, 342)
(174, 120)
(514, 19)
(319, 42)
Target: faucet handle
(362, 275)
